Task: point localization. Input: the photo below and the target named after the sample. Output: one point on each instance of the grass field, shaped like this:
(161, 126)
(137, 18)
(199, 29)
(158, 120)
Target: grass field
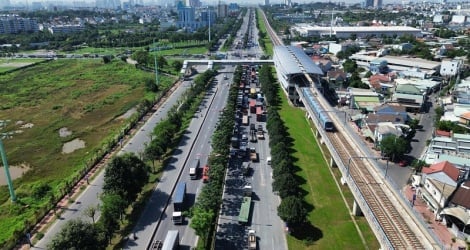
(331, 225)
(85, 96)
(267, 41)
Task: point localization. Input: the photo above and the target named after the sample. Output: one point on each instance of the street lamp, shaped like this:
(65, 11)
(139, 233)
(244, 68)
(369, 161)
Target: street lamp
(156, 65)
(7, 172)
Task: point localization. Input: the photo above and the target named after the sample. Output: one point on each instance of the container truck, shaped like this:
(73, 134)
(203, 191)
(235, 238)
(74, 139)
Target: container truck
(172, 241)
(178, 203)
(193, 169)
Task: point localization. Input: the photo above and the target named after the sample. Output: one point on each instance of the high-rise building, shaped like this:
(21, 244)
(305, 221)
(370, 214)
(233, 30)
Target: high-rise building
(222, 10)
(266, 2)
(14, 24)
(377, 4)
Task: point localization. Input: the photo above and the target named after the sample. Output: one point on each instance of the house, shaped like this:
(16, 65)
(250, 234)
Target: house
(385, 129)
(450, 68)
(381, 83)
(465, 119)
(336, 77)
(436, 194)
(444, 171)
(457, 215)
(324, 64)
(403, 46)
(387, 109)
(378, 66)
(409, 96)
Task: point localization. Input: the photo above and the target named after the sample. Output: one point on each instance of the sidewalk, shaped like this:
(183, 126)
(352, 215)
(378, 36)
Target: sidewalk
(437, 227)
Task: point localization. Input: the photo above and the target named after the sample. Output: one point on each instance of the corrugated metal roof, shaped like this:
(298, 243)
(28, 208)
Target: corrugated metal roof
(293, 60)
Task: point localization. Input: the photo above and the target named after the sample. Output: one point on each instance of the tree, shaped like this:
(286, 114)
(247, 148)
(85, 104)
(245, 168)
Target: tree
(113, 205)
(418, 165)
(286, 184)
(142, 57)
(91, 212)
(393, 146)
(201, 222)
(125, 176)
(77, 234)
(292, 210)
(177, 65)
(349, 66)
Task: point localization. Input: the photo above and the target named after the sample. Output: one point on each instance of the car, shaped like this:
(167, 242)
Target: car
(402, 163)
(244, 137)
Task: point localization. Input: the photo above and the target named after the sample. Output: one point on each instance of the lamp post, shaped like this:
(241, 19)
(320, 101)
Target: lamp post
(156, 65)
(7, 172)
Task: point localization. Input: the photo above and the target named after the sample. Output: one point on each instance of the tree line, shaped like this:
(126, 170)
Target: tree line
(127, 174)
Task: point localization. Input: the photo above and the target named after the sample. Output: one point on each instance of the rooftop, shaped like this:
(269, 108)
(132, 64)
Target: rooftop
(445, 167)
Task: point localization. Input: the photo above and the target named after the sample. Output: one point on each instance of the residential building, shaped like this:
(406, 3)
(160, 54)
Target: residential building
(13, 24)
(457, 215)
(439, 182)
(409, 96)
(450, 68)
(336, 78)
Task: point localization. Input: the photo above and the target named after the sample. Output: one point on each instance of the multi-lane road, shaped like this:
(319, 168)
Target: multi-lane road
(90, 196)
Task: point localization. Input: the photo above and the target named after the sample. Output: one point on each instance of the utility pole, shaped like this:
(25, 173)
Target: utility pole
(155, 62)
(209, 18)
(7, 172)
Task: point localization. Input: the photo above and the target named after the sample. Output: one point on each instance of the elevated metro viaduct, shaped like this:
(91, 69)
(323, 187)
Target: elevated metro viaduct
(295, 70)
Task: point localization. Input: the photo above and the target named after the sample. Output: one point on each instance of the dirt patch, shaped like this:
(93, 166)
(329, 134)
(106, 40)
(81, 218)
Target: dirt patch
(73, 145)
(64, 132)
(128, 114)
(15, 172)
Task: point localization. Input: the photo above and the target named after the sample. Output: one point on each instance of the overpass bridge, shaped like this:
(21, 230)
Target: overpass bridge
(187, 64)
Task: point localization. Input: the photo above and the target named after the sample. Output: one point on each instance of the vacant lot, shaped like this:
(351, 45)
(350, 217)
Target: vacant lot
(87, 97)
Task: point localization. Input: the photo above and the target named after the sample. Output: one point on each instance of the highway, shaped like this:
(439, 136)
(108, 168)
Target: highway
(263, 215)
(195, 145)
(90, 196)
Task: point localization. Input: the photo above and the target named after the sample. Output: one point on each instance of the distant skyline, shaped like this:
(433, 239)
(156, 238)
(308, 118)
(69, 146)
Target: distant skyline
(214, 2)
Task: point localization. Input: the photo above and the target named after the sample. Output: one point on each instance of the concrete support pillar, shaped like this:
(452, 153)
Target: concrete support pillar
(356, 209)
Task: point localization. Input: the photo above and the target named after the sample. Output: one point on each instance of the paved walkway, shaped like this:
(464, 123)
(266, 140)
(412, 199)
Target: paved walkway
(437, 227)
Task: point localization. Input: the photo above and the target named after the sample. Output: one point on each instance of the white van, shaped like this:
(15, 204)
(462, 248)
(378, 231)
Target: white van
(268, 160)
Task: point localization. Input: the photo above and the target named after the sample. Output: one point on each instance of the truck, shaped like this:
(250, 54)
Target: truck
(253, 155)
(178, 203)
(172, 241)
(245, 208)
(251, 239)
(245, 120)
(193, 169)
